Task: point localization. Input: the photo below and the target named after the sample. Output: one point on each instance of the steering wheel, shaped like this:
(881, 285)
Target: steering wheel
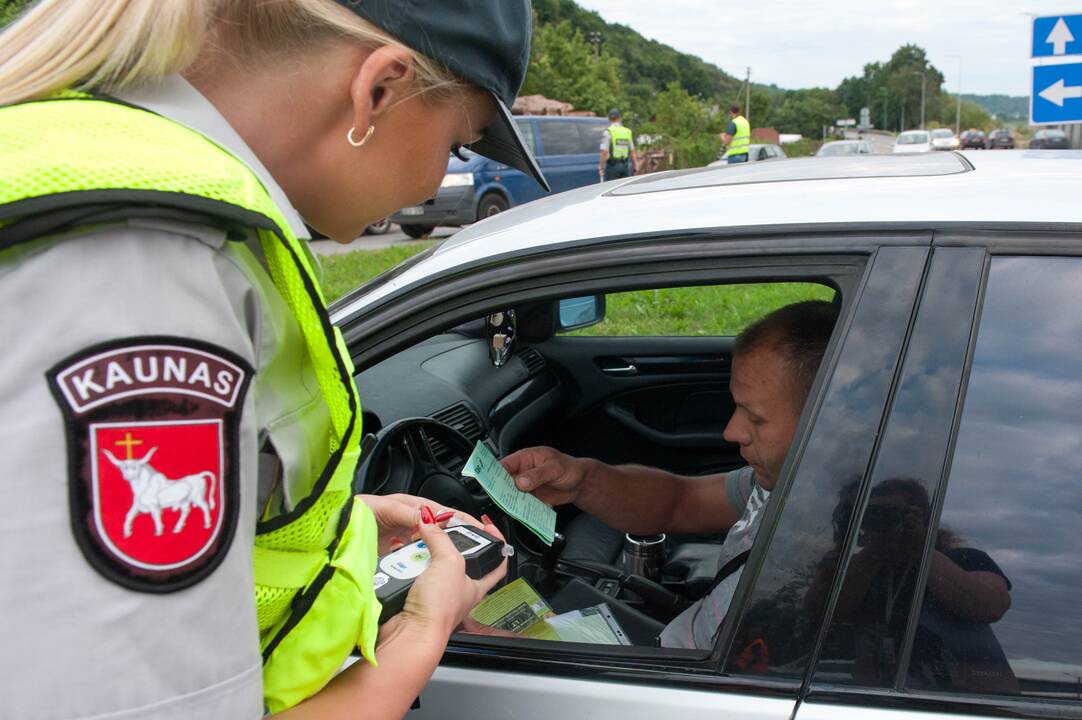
(402, 460)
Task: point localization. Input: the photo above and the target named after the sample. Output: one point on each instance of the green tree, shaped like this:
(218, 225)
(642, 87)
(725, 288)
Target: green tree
(685, 127)
(563, 67)
(9, 9)
(807, 112)
(892, 90)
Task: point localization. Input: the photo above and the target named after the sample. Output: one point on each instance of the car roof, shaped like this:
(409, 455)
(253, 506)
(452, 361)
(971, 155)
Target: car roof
(565, 118)
(836, 193)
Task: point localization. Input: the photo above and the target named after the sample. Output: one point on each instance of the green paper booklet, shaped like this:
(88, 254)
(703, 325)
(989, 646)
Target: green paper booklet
(500, 486)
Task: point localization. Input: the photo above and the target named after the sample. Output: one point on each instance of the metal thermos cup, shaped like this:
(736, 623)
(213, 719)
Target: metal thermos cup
(644, 555)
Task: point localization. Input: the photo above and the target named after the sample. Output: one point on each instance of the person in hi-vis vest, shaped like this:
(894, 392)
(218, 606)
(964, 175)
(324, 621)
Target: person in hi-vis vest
(737, 136)
(182, 428)
(618, 158)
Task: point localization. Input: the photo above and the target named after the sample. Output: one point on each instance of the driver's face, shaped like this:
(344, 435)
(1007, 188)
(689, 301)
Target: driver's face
(766, 413)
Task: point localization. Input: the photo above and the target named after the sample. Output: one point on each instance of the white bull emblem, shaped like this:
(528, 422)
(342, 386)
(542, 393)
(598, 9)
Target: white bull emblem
(152, 492)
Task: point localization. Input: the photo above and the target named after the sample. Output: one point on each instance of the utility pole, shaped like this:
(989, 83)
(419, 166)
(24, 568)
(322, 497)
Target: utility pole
(747, 97)
(595, 40)
(958, 105)
(923, 80)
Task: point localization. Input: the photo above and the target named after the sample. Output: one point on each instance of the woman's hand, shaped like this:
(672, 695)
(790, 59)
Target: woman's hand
(443, 595)
(398, 517)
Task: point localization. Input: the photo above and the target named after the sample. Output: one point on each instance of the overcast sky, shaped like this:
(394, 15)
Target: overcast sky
(799, 44)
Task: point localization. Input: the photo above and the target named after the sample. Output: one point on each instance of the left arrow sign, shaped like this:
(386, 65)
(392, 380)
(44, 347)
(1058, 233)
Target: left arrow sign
(1059, 91)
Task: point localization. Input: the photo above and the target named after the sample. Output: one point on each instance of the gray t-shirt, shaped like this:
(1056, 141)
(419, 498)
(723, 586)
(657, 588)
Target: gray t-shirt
(695, 627)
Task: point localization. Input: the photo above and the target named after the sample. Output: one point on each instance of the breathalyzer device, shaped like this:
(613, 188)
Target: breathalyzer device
(396, 571)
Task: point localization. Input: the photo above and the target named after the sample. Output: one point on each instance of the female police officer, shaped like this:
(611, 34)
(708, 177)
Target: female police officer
(172, 386)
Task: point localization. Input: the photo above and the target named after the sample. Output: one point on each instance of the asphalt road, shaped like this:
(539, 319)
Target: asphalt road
(373, 242)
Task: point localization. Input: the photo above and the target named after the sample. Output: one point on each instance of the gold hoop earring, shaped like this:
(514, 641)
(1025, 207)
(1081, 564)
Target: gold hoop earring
(362, 141)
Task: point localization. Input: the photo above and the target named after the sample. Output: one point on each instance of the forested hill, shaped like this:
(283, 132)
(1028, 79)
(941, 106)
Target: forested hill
(646, 66)
(1005, 107)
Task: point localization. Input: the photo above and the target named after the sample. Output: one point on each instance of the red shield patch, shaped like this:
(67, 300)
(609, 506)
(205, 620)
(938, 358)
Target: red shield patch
(152, 441)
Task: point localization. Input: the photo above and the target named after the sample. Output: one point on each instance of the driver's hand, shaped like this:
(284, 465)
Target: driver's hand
(443, 595)
(555, 478)
(398, 517)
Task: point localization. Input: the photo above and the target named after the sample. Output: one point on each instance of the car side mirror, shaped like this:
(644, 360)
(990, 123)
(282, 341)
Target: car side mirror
(500, 328)
(579, 312)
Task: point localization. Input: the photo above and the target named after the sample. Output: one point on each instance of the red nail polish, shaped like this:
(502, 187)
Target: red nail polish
(487, 520)
(445, 516)
(426, 515)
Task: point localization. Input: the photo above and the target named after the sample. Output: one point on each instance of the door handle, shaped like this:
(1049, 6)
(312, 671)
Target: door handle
(627, 369)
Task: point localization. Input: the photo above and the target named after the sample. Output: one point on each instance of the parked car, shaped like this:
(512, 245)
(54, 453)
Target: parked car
(567, 150)
(973, 140)
(912, 141)
(757, 152)
(947, 406)
(1000, 138)
(845, 147)
(944, 139)
(1049, 139)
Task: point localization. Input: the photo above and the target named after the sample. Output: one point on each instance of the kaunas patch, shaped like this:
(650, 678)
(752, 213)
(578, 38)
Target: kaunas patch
(152, 434)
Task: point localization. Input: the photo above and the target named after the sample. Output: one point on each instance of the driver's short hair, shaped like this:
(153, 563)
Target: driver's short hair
(799, 332)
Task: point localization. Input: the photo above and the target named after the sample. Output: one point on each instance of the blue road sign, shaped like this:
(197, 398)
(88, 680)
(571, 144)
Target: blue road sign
(1057, 94)
(1057, 35)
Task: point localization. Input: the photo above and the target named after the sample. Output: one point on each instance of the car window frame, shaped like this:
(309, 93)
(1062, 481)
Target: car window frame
(687, 666)
(983, 248)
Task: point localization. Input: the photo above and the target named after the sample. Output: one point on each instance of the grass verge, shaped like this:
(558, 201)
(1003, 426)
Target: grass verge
(691, 311)
(342, 273)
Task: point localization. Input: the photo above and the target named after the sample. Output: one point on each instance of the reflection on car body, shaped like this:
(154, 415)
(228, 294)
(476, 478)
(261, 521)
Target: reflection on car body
(944, 418)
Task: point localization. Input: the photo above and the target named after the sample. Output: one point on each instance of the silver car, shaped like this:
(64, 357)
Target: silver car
(757, 152)
(917, 556)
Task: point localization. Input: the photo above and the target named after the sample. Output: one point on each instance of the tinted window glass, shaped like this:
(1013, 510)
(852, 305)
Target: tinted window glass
(1001, 612)
(559, 138)
(590, 137)
(526, 128)
(866, 641)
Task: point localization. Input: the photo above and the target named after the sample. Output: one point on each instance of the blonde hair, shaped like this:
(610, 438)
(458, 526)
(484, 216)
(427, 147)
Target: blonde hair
(106, 45)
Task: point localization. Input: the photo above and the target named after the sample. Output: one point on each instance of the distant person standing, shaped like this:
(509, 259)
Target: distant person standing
(737, 137)
(618, 159)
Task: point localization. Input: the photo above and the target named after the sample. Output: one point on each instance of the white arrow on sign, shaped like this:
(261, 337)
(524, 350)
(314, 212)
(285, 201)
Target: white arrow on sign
(1058, 91)
(1059, 37)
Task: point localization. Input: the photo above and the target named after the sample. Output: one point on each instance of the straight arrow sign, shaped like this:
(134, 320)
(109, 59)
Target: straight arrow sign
(1059, 37)
(1056, 36)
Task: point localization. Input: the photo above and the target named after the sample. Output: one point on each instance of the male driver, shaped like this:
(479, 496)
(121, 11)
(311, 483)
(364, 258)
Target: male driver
(618, 159)
(737, 137)
(774, 364)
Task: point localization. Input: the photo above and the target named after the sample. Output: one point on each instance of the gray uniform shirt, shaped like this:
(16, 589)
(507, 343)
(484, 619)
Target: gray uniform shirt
(695, 627)
(77, 645)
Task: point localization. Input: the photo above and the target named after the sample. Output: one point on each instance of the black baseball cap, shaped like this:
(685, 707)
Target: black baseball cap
(486, 42)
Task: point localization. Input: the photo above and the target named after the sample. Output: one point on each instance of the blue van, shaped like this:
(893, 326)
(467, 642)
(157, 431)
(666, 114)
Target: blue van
(566, 148)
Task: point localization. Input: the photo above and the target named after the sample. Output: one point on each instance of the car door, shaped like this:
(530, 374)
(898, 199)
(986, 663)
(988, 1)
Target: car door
(978, 617)
(500, 678)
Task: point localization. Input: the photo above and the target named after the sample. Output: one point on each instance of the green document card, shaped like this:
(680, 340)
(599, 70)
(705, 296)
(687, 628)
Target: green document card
(500, 486)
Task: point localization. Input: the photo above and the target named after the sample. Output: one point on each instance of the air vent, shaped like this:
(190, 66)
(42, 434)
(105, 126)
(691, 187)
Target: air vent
(533, 360)
(461, 418)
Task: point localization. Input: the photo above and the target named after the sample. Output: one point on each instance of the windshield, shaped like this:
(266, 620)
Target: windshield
(942, 133)
(912, 138)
